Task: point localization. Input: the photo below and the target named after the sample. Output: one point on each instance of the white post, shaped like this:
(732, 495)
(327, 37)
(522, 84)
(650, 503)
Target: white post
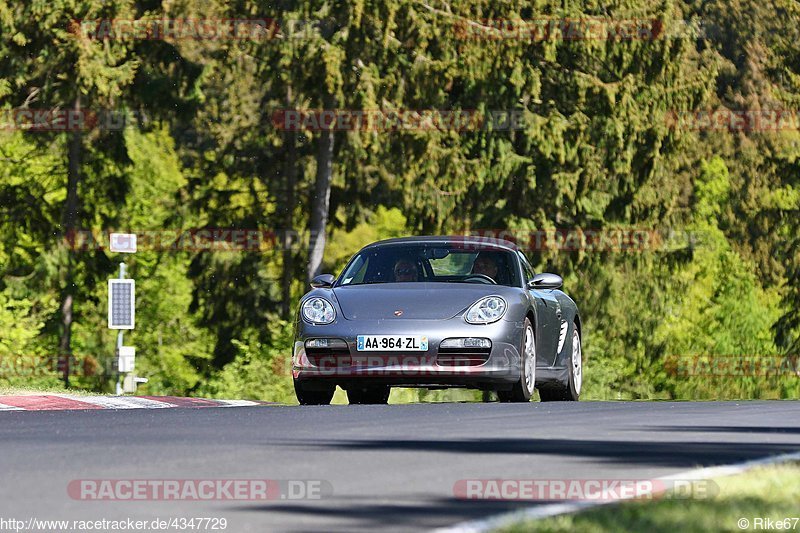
(119, 338)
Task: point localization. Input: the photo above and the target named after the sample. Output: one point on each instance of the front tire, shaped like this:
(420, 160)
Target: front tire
(571, 391)
(307, 396)
(523, 388)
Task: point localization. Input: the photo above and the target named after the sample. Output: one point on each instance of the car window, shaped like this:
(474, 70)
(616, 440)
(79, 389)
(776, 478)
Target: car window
(357, 271)
(526, 267)
(435, 262)
(453, 265)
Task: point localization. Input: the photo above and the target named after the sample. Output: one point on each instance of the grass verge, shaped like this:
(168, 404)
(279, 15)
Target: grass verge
(770, 492)
(27, 391)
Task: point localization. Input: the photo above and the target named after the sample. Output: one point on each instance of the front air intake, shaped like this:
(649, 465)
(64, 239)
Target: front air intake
(462, 356)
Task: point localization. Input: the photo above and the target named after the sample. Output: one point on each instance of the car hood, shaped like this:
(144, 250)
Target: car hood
(417, 301)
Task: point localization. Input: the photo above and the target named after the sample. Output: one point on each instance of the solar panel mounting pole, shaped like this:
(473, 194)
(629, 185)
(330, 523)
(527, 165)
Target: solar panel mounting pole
(119, 336)
(121, 313)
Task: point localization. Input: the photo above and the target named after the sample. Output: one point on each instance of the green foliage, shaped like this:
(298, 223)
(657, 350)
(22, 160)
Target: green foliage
(718, 306)
(382, 224)
(23, 359)
(20, 327)
(259, 372)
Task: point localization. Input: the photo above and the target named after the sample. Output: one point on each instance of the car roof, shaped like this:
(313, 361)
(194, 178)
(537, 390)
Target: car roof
(464, 240)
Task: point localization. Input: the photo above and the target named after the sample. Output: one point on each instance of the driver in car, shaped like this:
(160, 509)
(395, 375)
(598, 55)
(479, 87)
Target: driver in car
(486, 265)
(405, 270)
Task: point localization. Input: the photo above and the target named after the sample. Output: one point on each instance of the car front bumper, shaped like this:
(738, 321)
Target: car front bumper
(350, 367)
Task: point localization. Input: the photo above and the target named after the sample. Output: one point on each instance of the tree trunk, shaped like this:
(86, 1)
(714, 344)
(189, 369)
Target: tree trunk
(288, 215)
(320, 203)
(69, 220)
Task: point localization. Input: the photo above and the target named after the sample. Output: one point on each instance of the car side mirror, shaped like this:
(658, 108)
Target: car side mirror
(323, 281)
(545, 280)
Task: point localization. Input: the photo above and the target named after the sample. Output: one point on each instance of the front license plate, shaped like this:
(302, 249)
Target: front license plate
(392, 343)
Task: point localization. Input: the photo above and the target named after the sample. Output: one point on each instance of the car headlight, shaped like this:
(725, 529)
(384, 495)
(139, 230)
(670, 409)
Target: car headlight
(486, 310)
(318, 311)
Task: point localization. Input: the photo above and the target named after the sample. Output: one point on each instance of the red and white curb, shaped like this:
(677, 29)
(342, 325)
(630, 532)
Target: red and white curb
(68, 402)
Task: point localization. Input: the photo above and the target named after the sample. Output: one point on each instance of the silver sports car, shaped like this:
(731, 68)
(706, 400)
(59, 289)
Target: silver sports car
(437, 312)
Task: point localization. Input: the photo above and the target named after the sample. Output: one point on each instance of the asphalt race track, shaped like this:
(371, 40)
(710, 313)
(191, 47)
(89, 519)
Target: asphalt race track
(389, 467)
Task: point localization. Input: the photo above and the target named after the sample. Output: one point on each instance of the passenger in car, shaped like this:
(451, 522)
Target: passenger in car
(485, 264)
(405, 270)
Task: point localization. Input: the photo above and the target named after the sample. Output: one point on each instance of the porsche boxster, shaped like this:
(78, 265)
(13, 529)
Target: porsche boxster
(437, 312)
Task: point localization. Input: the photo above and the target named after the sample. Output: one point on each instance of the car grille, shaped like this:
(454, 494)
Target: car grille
(328, 357)
(462, 356)
(389, 358)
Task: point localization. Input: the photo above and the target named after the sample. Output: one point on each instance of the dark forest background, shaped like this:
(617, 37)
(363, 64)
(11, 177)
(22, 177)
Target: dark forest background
(613, 137)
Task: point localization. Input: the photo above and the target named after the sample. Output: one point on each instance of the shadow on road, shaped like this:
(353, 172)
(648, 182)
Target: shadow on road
(663, 453)
(363, 515)
(366, 515)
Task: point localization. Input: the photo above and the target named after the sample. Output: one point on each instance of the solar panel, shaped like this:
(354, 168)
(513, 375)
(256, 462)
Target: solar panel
(121, 300)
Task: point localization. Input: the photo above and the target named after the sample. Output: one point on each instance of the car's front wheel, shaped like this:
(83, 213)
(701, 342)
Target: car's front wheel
(523, 388)
(368, 395)
(308, 395)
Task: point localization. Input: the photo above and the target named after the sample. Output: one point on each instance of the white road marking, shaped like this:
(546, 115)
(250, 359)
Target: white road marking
(4, 407)
(236, 403)
(118, 402)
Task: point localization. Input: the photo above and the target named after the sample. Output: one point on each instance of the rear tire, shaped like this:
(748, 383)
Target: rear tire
(312, 397)
(523, 388)
(368, 395)
(571, 391)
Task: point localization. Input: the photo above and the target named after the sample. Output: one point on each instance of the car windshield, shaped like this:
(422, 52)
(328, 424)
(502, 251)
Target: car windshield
(431, 262)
